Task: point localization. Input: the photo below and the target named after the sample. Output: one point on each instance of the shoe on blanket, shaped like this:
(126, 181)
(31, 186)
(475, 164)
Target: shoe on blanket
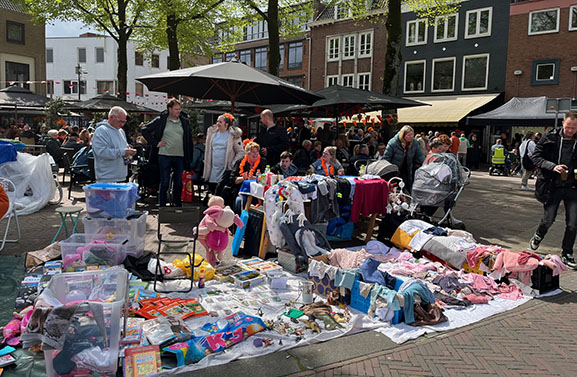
(535, 242)
(569, 261)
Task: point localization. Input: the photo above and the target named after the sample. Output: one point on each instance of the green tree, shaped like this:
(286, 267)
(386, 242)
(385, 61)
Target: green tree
(185, 28)
(117, 18)
(54, 110)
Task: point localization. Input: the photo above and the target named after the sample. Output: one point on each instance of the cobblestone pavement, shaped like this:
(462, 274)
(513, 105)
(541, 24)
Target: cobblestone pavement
(537, 338)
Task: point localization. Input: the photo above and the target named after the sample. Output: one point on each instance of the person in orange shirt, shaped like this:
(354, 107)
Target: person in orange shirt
(454, 143)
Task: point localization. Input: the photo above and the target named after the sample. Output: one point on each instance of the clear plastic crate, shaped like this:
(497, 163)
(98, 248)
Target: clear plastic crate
(116, 200)
(105, 290)
(93, 249)
(134, 228)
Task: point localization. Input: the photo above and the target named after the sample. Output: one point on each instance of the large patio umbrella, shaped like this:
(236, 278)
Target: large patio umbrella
(105, 102)
(341, 101)
(232, 81)
(17, 98)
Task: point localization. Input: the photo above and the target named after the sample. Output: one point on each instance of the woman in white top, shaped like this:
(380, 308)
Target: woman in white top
(223, 150)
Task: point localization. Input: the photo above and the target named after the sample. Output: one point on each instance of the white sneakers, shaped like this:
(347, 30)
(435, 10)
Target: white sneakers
(526, 188)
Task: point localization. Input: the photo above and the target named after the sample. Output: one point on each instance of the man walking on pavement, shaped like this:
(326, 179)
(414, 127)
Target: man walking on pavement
(526, 150)
(556, 157)
(273, 140)
(171, 140)
(111, 150)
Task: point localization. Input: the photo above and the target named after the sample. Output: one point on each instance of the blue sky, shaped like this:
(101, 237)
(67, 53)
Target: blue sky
(65, 29)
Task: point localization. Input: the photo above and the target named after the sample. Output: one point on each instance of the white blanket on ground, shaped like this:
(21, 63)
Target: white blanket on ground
(250, 301)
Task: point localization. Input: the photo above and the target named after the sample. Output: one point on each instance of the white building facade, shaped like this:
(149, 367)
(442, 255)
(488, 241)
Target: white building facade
(96, 56)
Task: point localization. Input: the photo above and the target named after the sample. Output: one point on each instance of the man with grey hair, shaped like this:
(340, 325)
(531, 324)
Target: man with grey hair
(302, 158)
(53, 147)
(111, 150)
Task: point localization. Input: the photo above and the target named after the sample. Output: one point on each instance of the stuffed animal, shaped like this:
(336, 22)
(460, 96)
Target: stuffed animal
(16, 326)
(213, 229)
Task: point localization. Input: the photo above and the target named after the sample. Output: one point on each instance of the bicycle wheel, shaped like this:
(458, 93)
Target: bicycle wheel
(58, 195)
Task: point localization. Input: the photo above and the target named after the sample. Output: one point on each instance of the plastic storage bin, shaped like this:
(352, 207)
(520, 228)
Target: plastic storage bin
(93, 249)
(116, 200)
(134, 228)
(95, 326)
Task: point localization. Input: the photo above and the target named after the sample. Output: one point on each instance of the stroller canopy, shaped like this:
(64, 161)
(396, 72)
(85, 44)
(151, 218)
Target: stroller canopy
(438, 179)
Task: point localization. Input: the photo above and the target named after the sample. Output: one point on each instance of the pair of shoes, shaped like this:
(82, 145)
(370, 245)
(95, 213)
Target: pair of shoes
(526, 188)
(569, 261)
(535, 241)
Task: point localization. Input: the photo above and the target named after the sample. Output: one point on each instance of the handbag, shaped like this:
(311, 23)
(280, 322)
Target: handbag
(526, 161)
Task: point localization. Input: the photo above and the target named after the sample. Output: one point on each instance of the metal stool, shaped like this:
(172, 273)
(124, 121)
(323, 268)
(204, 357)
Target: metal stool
(68, 211)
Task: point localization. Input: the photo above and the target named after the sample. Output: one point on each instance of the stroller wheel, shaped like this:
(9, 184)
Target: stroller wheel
(491, 172)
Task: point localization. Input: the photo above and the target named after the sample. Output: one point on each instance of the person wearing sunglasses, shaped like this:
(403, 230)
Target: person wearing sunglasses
(111, 150)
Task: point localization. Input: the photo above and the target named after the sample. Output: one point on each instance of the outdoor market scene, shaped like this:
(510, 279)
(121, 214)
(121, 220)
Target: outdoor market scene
(213, 210)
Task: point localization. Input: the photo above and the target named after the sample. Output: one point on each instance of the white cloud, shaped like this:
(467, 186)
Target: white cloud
(66, 29)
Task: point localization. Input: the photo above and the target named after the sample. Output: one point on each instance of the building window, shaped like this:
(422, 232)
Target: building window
(49, 55)
(332, 80)
(81, 55)
(256, 30)
(229, 56)
(139, 88)
(349, 80)
(348, 47)
(479, 23)
(104, 87)
(71, 87)
(475, 72)
(260, 58)
(415, 76)
(18, 72)
(246, 57)
(364, 80)
(573, 18)
(295, 55)
(446, 28)
(443, 75)
(281, 65)
(15, 32)
(138, 58)
(416, 32)
(99, 55)
(545, 72)
(333, 48)
(155, 61)
(342, 11)
(295, 80)
(544, 21)
(365, 45)
(217, 58)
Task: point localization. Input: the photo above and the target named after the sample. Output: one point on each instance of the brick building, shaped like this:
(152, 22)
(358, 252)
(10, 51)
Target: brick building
(347, 52)
(22, 56)
(541, 60)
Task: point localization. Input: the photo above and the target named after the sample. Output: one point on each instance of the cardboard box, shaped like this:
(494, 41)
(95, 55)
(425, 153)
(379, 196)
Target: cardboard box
(248, 279)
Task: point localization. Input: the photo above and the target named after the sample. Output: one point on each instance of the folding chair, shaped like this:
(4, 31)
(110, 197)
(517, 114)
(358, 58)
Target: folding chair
(176, 215)
(10, 190)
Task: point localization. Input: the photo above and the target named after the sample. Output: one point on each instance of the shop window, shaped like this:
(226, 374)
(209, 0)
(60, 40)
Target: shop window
(415, 76)
(443, 75)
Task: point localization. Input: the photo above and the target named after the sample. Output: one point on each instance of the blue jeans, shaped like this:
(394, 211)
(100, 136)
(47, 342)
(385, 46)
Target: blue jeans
(168, 164)
(569, 198)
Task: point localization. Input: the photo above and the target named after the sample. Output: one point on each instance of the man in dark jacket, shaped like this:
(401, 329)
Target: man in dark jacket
(170, 138)
(273, 140)
(556, 157)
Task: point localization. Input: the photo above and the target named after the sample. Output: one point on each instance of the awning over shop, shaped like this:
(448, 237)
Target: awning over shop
(518, 111)
(444, 109)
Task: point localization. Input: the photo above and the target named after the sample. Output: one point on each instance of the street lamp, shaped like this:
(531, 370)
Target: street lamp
(517, 74)
(79, 72)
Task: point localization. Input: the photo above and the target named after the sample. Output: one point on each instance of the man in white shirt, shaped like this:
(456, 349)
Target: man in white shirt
(527, 147)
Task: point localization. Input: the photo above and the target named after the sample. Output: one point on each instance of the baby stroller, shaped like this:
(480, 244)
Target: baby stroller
(499, 164)
(439, 183)
(144, 172)
(383, 169)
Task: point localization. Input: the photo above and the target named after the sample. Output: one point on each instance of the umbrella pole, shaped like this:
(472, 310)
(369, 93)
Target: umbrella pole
(232, 106)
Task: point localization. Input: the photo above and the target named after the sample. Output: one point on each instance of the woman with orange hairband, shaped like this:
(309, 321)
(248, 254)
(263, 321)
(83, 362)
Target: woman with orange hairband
(223, 150)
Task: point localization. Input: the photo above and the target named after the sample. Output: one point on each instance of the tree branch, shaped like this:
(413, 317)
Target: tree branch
(96, 20)
(255, 7)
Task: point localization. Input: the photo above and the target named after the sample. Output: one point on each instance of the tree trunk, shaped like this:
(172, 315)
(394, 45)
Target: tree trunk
(273, 38)
(122, 65)
(171, 28)
(393, 54)
(122, 43)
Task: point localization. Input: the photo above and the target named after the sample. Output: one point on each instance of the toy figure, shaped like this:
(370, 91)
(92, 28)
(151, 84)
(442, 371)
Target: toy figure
(16, 326)
(330, 323)
(311, 325)
(213, 229)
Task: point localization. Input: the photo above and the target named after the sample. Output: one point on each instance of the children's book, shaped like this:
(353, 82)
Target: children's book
(7, 360)
(133, 331)
(157, 330)
(142, 361)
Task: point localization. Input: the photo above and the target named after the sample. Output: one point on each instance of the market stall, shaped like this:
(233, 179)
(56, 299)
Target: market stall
(106, 315)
